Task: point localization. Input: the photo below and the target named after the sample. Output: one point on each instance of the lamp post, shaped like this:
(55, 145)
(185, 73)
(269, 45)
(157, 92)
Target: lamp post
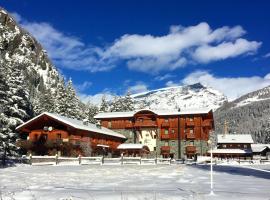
(210, 142)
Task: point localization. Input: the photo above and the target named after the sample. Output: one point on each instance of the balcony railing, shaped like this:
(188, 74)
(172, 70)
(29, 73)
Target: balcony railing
(190, 136)
(165, 149)
(145, 124)
(165, 124)
(190, 123)
(75, 137)
(165, 136)
(190, 149)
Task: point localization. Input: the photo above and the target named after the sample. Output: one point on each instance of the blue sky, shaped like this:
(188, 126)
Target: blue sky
(115, 46)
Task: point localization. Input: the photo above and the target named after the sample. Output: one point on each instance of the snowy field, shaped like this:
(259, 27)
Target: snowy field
(132, 182)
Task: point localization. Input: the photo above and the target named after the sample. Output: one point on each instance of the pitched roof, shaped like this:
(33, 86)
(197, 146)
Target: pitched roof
(231, 151)
(77, 124)
(158, 112)
(259, 147)
(235, 138)
(130, 146)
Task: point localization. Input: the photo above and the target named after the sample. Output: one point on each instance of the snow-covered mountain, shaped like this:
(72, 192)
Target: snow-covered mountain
(249, 114)
(189, 96)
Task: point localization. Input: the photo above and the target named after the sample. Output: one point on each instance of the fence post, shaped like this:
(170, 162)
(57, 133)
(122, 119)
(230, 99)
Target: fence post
(140, 160)
(170, 161)
(30, 159)
(102, 160)
(156, 161)
(122, 160)
(56, 159)
(80, 159)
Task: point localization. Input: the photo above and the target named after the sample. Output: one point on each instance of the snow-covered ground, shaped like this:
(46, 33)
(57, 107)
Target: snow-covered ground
(132, 182)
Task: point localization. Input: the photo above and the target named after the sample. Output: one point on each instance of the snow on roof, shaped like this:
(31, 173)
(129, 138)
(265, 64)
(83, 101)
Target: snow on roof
(259, 147)
(77, 124)
(158, 112)
(235, 138)
(130, 146)
(231, 151)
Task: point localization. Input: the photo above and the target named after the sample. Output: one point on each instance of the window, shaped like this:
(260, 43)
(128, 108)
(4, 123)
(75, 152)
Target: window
(166, 120)
(36, 137)
(191, 118)
(173, 143)
(191, 131)
(45, 136)
(166, 143)
(191, 143)
(245, 146)
(224, 145)
(109, 124)
(172, 131)
(166, 131)
(59, 136)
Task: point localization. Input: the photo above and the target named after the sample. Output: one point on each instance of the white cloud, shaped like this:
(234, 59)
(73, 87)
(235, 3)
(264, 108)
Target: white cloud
(145, 53)
(225, 50)
(164, 77)
(84, 86)
(267, 55)
(96, 98)
(138, 88)
(232, 87)
(171, 84)
(66, 51)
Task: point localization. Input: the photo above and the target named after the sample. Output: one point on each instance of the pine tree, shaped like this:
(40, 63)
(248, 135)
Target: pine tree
(44, 102)
(72, 103)
(61, 98)
(92, 110)
(127, 102)
(116, 105)
(104, 106)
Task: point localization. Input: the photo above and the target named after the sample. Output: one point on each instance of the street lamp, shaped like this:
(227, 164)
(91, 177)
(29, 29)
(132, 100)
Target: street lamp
(210, 142)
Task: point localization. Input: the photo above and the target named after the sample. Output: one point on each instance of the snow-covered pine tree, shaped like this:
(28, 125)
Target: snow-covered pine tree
(18, 108)
(44, 102)
(72, 103)
(92, 110)
(127, 102)
(104, 106)
(61, 98)
(116, 105)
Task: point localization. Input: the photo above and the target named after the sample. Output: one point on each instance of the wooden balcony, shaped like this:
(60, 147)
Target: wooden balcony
(164, 136)
(129, 125)
(190, 149)
(190, 136)
(165, 124)
(207, 123)
(165, 149)
(145, 124)
(190, 123)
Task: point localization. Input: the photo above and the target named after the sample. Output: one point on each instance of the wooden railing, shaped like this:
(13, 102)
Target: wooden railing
(190, 123)
(165, 149)
(145, 124)
(165, 124)
(190, 149)
(190, 136)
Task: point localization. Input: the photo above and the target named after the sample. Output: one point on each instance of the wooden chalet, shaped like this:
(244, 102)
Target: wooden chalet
(48, 132)
(174, 134)
(233, 146)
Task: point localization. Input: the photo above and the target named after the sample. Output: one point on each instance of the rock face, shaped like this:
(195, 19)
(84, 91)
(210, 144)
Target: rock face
(190, 96)
(249, 114)
(19, 49)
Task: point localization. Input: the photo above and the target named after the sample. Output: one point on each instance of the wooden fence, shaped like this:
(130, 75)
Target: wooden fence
(57, 160)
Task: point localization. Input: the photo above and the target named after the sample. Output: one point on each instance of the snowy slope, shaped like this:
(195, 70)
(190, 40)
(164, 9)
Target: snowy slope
(190, 96)
(20, 48)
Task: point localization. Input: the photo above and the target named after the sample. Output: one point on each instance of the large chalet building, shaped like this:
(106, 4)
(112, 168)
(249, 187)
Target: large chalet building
(62, 135)
(174, 134)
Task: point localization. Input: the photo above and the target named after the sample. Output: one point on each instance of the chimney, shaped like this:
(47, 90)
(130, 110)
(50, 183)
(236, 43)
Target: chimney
(85, 122)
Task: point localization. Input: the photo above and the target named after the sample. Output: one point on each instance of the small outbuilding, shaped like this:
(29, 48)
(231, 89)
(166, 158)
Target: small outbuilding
(129, 149)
